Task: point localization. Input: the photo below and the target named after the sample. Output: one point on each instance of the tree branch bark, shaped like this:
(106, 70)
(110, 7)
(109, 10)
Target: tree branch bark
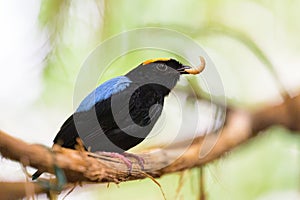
(82, 166)
(17, 190)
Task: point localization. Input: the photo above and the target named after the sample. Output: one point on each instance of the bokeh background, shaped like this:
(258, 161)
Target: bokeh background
(254, 45)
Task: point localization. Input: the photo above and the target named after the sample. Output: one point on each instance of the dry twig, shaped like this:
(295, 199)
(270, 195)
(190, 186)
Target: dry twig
(88, 167)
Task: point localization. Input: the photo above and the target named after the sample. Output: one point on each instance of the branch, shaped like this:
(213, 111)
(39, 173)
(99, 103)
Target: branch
(18, 190)
(86, 166)
(89, 167)
(286, 114)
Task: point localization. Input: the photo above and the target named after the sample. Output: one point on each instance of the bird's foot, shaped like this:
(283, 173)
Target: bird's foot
(126, 161)
(140, 160)
(125, 158)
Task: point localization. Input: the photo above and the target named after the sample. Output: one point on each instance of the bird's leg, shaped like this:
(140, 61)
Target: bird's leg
(126, 161)
(140, 160)
(124, 157)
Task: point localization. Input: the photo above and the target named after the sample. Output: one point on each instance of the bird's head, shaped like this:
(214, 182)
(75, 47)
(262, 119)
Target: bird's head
(169, 66)
(166, 71)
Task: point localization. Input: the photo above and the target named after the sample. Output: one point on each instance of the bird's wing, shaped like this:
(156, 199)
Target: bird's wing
(103, 92)
(83, 117)
(66, 136)
(103, 127)
(127, 123)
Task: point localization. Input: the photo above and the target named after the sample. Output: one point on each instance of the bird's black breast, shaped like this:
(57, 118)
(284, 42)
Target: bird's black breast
(118, 123)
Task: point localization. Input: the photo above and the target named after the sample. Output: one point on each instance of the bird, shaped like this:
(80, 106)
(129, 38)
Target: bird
(121, 112)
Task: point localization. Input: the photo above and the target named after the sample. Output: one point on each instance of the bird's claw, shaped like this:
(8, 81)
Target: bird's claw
(140, 160)
(124, 157)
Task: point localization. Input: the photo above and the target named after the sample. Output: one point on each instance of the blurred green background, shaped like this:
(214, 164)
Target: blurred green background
(254, 45)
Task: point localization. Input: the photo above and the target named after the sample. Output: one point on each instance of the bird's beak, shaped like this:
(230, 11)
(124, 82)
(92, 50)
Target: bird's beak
(190, 70)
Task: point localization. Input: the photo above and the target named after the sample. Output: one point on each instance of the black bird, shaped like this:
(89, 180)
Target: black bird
(122, 111)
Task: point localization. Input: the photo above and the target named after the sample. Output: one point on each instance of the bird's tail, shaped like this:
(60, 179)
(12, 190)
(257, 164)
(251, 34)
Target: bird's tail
(36, 174)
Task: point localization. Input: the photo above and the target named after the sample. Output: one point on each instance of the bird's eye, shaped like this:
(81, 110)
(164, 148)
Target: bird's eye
(162, 67)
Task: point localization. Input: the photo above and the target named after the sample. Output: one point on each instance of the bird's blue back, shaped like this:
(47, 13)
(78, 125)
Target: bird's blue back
(104, 91)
